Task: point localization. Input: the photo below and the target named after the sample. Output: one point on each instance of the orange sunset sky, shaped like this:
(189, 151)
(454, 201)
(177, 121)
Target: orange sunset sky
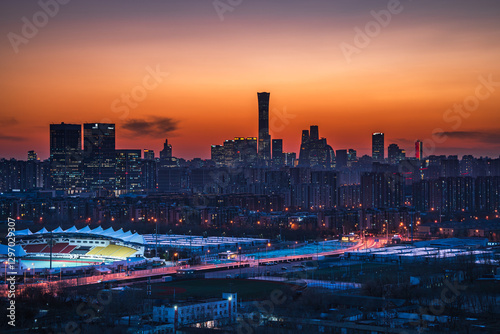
(429, 57)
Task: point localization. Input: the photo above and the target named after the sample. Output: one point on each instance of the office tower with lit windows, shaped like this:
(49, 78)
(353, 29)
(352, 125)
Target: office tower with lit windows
(32, 156)
(229, 152)
(149, 175)
(378, 148)
(382, 190)
(315, 151)
(395, 154)
(149, 154)
(264, 137)
(128, 171)
(277, 149)
(65, 156)
(217, 154)
(289, 159)
(167, 160)
(99, 156)
(352, 157)
(245, 150)
(166, 153)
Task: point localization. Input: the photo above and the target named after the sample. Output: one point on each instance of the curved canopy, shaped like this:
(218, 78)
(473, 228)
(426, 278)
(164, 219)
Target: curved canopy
(98, 231)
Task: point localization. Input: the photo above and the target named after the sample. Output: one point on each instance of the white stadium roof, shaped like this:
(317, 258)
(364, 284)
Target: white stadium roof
(98, 231)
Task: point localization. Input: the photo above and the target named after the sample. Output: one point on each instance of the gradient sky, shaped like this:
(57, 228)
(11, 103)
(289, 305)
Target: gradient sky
(428, 58)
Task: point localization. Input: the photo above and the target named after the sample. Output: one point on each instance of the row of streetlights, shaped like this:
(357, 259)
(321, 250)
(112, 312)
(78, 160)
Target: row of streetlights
(28, 270)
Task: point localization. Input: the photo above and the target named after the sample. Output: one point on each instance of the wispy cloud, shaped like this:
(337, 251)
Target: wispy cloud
(9, 121)
(489, 137)
(11, 138)
(152, 126)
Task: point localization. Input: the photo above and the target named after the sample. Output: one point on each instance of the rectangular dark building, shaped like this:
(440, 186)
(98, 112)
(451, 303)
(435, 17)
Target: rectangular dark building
(128, 171)
(99, 156)
(65, 156)
(277, 152)
(264, 137)
(378, 148)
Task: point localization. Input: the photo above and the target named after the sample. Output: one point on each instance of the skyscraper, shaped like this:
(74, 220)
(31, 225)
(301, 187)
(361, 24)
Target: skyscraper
(378, 148)
(419, 150)
(341, 159)
(32, 156)
(352, 157)
(99, 156)
(395, 154)
(167, 160)
(289, 159)
(166, 153)
(217, 155)
(277, 149)
(65, 156)
(128, 171)
(314, 132)
(245, 150)
(149, 154)
(264, 137)
(315, 151)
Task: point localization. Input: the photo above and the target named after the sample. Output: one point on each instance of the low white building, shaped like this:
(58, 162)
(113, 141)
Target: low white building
(189, 313)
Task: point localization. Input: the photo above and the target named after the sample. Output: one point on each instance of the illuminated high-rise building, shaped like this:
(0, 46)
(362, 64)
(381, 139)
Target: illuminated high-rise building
(217, 155)
(264, 137)
(419, 150)
(128, 171)
(278, 159)
(245, 150)
(378, 148)
(166, 153)
(395, 154)
(32, 156)
(149, 154)
(99, 156)
(289, 159)
(65, 156)
(315, 151)
(352, 157)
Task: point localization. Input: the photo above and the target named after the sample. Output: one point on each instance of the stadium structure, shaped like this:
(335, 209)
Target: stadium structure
(98, 244)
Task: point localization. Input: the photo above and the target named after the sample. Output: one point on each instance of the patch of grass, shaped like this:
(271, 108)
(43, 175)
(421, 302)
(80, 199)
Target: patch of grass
(213, 288)
(392, 272)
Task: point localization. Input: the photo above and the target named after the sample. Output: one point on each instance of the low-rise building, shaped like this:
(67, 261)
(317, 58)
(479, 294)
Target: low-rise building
(206, 311)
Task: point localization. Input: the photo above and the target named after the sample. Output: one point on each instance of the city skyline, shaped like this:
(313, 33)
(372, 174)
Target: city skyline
(376, 146)
(412, 150)
(250, 166)
(402, 83)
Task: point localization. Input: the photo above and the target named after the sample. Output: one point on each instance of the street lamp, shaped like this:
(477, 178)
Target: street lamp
(258, 261)
(239, 251)
(25, 275)
(60, 272)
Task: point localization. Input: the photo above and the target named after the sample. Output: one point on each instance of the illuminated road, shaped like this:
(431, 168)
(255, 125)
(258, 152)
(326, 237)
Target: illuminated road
(369, 243)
